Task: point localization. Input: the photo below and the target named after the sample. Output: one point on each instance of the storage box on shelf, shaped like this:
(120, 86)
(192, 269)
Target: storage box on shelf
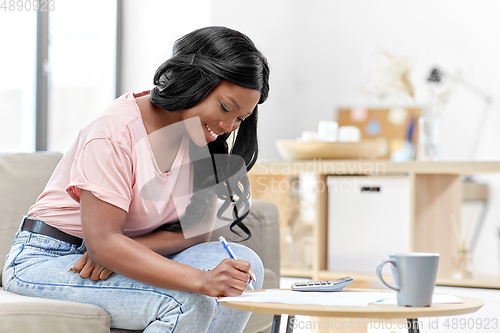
(436, 194)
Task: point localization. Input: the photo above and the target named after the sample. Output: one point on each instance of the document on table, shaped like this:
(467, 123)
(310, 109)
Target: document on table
(327, 298)
(317, 298)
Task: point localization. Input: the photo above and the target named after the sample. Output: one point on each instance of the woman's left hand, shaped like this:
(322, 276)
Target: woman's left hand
(90, 269)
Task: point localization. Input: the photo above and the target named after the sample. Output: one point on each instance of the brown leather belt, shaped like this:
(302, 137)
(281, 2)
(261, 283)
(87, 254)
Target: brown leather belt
(42, 228)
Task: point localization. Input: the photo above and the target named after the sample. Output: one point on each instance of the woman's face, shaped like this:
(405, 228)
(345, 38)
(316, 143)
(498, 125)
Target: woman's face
(222, 111)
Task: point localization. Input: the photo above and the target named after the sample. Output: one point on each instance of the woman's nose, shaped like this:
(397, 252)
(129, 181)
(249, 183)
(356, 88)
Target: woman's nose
(228, 126)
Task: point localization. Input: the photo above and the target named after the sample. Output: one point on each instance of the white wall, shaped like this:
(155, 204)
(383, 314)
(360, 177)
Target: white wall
(320, 53)
(149, 29)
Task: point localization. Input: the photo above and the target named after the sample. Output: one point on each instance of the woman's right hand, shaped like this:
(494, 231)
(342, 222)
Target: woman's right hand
(229, 278)
(90, 269)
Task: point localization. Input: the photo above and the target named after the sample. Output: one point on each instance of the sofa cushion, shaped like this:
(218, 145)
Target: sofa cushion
(21, 314)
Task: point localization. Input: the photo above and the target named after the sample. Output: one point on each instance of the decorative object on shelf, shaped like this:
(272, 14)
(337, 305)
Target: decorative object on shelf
(462, 265)
(463, 258)
(364, 149)
(389, 78)
(429, 137)
(440, 89)
(349, 134)
(441, 85)
(397, 126)
(332, 142)
(327, 130)
(309, 136)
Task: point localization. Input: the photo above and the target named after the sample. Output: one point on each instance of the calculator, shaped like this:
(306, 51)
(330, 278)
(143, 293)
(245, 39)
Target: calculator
(335, 285)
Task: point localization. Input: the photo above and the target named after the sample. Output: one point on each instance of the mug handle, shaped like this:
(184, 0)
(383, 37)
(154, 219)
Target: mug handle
(379, 273)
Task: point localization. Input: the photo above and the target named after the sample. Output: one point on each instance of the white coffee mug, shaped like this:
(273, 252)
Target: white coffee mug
(414, 276)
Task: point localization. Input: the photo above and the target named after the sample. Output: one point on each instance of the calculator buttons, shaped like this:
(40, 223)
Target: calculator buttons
(336, 285)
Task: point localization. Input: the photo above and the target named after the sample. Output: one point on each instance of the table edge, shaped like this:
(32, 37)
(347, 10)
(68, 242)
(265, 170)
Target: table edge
(386, 311)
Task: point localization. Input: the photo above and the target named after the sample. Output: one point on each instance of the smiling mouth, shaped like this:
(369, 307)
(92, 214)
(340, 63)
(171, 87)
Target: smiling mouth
(212, 133)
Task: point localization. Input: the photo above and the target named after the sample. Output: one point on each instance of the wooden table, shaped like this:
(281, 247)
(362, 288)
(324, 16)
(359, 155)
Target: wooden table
(382, 311)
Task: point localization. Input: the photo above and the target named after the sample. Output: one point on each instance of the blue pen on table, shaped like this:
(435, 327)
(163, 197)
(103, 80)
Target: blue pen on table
(233, 256)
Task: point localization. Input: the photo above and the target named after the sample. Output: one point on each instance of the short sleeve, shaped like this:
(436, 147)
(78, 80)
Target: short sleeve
(104, 168)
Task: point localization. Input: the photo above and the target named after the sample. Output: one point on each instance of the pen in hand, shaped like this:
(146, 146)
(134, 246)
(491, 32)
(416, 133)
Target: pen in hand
(233, 256)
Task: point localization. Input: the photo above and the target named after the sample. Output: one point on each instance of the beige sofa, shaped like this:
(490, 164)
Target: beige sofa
(22, 178)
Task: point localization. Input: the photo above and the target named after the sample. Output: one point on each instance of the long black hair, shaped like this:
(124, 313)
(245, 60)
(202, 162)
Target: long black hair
(200, 61)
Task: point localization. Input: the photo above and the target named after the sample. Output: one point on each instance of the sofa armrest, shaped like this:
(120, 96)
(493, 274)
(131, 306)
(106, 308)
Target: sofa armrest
(23, 177)
(263, 222)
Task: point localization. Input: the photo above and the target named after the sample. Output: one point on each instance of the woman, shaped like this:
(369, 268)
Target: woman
(137, 180)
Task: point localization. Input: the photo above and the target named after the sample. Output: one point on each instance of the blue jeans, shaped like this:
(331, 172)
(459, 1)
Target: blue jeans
(37, 265)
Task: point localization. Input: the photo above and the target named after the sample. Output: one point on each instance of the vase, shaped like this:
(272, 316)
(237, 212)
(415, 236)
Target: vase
(462, 265)
(429, 138)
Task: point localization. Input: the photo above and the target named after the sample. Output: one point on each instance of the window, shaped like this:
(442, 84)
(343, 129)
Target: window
(17, 80)
(81, 71)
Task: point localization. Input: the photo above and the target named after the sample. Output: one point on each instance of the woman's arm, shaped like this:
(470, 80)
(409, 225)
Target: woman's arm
(103, 225)
(167, 242)
(162, 242)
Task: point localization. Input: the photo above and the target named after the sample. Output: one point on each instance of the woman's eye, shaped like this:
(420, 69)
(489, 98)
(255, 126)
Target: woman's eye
(224, 108)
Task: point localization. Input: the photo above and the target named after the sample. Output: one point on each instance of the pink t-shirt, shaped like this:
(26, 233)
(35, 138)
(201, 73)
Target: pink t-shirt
(112, 158)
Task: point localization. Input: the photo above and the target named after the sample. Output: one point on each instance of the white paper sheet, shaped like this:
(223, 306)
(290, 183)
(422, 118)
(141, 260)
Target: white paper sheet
(328, 298)
(318, 298)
